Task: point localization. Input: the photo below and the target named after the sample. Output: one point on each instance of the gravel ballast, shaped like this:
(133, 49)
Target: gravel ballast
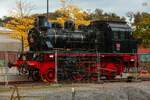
(106, 91)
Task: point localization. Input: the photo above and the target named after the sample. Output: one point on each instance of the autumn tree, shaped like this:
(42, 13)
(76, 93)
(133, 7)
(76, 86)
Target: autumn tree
(71, 12)
(20, 27)
(21, 21)
(142, 27)
(22, 8)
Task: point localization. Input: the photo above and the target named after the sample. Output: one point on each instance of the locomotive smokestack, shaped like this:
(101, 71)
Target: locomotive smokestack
(42, 22)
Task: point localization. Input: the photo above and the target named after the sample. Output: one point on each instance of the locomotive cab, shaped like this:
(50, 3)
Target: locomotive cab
(117, 36)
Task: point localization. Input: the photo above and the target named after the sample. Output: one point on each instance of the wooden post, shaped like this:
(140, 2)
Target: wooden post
(73, 93)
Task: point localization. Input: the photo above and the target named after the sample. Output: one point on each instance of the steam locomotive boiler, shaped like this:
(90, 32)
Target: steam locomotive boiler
(102, 48)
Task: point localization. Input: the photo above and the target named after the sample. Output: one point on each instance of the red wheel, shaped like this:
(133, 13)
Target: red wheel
(50, 75)
(78, 76)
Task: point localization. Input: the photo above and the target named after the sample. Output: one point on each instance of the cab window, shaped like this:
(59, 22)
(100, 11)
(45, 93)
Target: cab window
(122, 35)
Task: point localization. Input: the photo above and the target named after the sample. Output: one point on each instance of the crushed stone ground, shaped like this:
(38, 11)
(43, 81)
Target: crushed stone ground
(91, 91)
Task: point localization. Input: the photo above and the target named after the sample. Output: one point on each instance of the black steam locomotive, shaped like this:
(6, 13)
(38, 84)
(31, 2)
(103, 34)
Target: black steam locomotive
(105, 36)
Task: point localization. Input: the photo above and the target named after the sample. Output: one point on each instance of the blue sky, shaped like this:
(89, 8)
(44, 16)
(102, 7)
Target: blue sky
(120, 7)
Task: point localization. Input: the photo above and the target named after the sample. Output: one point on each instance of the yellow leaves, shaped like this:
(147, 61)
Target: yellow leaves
(20, 27)
(72, 12)
(61, 20)
(78, 22)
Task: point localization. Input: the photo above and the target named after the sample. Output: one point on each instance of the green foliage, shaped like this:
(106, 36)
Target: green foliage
(142, 28)
(6, 19)
(99, 14)
(1, 22)
(2, 63)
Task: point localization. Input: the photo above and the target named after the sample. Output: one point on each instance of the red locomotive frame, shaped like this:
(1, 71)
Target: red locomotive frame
(109, 65)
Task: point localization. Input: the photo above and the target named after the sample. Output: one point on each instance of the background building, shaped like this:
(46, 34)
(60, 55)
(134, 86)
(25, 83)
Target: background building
(9, 49)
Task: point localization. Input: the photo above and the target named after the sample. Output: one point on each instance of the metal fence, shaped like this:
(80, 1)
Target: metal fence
(144, 61)
(18, 92)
